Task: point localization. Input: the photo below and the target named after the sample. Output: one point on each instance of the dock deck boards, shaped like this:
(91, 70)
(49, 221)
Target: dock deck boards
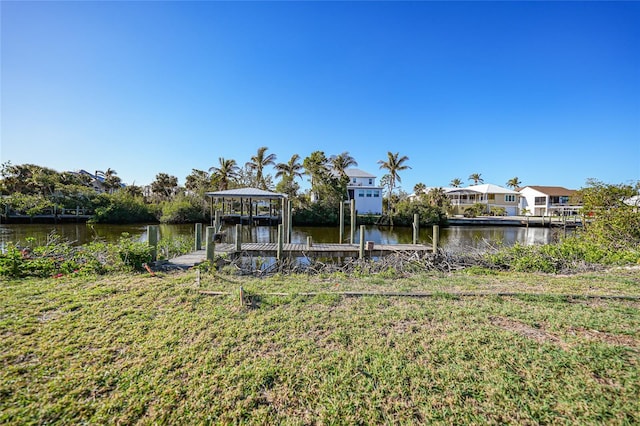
(300, 250)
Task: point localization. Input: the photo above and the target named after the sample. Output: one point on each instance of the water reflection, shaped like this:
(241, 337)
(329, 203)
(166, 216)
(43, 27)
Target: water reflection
(453, 238)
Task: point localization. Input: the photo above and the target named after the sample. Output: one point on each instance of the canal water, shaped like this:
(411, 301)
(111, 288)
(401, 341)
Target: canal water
(453, 238)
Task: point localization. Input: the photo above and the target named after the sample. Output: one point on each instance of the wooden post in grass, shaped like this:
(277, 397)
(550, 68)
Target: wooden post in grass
(353, 222)
(152, 232)
(436, 237)
(415, 228)
(280, 242)
(289, 222)
(341, 237)
(198, 245)
(210, 245)
(361, 251)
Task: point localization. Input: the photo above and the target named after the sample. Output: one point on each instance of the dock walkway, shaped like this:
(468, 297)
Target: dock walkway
(300, 250)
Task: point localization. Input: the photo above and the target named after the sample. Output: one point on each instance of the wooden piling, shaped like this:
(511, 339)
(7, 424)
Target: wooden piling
(309, 241)
(341, 233)
(152, 232)
(210, 245)
(280, 242)
(353, 222)
(198, 231)
(238, 238)
(361, 252)
(289, 222)
(436, 237)
(416, 229)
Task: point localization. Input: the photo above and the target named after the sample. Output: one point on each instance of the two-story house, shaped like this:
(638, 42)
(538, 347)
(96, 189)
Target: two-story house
(363, 189)
(547, 200)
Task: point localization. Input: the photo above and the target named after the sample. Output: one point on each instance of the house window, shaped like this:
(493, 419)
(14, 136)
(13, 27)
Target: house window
(370, 181)
(376, 194)
(541, 201)
(369, 193)
(354, 180)
(491, 197)
(510, 198)
(360, 193)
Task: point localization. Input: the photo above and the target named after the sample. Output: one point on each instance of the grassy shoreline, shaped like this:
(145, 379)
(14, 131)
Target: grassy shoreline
(141, 349)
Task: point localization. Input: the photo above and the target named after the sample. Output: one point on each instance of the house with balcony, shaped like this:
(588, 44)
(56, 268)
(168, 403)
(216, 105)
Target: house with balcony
(496, 198)
(363, 189)
(548, 201)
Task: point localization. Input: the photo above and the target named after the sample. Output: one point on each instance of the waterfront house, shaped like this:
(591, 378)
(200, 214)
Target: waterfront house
(548, 200)
(494, 197)
(363, 189)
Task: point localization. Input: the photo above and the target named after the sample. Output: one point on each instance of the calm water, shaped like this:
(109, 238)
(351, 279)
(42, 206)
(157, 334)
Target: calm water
(454, 238)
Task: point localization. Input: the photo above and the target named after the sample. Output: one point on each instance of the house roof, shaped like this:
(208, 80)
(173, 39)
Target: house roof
(246, 193)
(357, 173)
(550, 190)
(489, 188)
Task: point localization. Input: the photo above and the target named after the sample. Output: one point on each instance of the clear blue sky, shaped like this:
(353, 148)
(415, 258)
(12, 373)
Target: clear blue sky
(545, 91)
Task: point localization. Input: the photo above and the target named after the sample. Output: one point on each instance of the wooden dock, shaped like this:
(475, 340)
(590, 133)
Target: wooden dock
(300, 250)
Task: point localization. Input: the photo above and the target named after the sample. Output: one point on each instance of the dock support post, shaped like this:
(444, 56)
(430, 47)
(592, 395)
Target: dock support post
(152, 232)
(416, 222)
(217, 222)
(341, 233)
(309, 241)
(289, 222)
(210, 245)
(198, 245)
(361, 252)
(280, 242)
(353, 222)
(238, 238)
(436, 237)
(284, 221)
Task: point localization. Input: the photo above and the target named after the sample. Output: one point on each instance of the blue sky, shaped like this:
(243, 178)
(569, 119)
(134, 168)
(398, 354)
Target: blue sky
(545, 91)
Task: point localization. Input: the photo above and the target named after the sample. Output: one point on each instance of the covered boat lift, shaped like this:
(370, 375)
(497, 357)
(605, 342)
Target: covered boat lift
(250, 206)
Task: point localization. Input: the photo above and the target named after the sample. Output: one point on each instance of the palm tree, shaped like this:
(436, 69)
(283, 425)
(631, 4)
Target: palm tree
(394, 164)
(475, 177)
(291, 169)
(315, 165)
(227, 171)
(514, 182)
(456, 183)
(419, 188)
(259, 162)
(341, 162)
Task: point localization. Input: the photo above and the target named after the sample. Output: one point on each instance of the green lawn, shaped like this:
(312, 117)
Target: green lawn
(153, 350)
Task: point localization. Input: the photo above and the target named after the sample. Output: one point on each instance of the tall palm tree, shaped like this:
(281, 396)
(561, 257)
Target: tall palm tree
(514, 182)
(315, 165)
(291, 169)
(341, 162)
(394, 164)
(226, 172)
(456, 183)
(475, 177)
(259, 162)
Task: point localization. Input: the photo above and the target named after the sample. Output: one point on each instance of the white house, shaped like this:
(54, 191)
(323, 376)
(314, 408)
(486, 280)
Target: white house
(362, 188)
(547, 200)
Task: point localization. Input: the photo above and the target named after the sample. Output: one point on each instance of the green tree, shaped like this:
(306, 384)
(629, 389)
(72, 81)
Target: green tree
(316, 167)
(419, 188)
(164, 186)
(259, 162)
(393, 165)
(476, 178)
(197, 181)
(224, 174)
(456, 183)
(514, 183)
(111, 181)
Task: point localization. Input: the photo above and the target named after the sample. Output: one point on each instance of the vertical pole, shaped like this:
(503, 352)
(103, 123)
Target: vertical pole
(217, 220)
(341, 237)
(436, 237)
(283, 213)
(289, 222)
(309, 241)
(209, 243)
(238, 238)
(361, 249)
(416, 224)
(198, 236)
(152, 232)
(280, 241)
(353, 221)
